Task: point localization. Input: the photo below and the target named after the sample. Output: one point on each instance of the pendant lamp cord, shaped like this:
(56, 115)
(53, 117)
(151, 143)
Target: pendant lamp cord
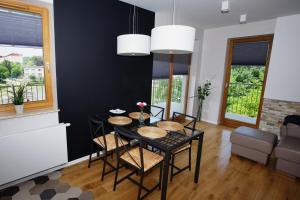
(173, 21)
(129, 20)
(133, 20)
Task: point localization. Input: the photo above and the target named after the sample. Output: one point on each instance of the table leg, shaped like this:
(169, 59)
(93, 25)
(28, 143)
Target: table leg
(199, 154)
(165, 176)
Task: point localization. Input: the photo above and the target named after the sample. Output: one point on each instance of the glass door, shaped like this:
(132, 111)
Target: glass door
(246, 73)
(159, 93)
(160, 82)
(173, 71)
(180, 83)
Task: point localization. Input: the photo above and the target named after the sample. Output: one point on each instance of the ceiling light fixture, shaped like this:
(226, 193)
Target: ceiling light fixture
(243, 19)
(173, 39)
(225, 6)
(133, 44)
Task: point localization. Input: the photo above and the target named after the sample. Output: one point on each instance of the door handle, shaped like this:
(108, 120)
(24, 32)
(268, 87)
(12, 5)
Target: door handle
(48, 66)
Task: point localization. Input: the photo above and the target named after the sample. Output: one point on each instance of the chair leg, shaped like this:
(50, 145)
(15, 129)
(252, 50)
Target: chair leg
(160, 174)
(172, 167)
(140, 186)
(190, 158)
(116, 175)
(91, 152)
(104, 165)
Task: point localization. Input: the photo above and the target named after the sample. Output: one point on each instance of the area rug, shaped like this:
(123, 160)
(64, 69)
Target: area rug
(47, 187)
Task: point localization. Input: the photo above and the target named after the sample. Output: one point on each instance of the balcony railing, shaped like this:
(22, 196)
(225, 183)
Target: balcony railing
(160, 90)
(33, 92)
(243, 99)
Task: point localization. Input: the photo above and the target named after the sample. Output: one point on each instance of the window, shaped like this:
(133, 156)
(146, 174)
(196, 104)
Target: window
(25, 54)
(246, 72)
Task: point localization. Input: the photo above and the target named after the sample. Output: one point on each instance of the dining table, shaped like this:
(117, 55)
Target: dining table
(167, 144)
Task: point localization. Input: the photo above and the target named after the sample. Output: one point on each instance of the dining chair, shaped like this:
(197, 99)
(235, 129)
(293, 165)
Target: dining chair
(156, 113)
(137, 158)
(105, 142)
(189, 123)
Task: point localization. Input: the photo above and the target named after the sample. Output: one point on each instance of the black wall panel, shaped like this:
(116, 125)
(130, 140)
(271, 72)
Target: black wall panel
(91, 77)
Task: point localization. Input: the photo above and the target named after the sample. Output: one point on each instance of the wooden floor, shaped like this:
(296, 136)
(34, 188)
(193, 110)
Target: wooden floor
(222, 176)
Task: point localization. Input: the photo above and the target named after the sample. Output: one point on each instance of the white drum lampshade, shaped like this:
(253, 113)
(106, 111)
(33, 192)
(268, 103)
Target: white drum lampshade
(133, 45)
(173, 39)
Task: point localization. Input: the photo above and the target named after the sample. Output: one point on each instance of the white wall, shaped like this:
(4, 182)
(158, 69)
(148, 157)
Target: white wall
(214, 57)
(284, 72)
(194, 70)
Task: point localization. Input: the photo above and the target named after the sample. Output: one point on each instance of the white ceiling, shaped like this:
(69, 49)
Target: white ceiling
(206, 13)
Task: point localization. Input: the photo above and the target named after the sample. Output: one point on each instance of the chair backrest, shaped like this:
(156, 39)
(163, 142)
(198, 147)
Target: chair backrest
(97, 130)
(121, 132)
(188, 121)
(157, 111)
(291, 130)
(291, 126)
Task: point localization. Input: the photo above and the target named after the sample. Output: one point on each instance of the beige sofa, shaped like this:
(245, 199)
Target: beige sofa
(287, 151)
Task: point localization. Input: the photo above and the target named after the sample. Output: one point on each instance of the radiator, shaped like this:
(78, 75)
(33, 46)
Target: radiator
(32, 151)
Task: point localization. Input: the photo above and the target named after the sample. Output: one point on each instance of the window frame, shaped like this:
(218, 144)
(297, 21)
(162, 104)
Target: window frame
(43, 12)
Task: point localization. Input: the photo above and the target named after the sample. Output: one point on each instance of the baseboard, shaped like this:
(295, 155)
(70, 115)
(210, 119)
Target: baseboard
(209, 121)
(79, 160)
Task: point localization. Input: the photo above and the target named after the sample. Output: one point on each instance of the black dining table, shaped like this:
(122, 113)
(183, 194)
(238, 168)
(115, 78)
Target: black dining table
(168, 144)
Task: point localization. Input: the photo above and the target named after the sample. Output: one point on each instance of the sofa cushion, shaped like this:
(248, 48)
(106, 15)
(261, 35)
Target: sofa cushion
(254, 139)
(289, 149)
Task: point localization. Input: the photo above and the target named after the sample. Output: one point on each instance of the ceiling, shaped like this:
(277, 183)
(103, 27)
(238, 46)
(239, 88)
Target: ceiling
(206, 13)
(47, 1)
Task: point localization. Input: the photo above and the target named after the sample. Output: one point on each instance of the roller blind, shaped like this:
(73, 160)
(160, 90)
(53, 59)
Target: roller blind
(20, 28)
(250, 53)
(161, 63)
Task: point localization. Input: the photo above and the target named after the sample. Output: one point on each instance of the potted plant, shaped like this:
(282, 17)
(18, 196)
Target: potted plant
(18, 96)
(202, 92)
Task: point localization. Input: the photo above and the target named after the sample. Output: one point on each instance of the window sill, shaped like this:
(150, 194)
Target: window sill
(27, 113)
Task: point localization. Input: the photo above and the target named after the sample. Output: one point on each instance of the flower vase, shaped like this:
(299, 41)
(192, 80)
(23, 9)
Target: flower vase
(19, 109)
(199, 112)
(141, 118)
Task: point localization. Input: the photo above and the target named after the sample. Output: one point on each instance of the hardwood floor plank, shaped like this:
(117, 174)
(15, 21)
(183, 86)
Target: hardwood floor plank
(222, 176)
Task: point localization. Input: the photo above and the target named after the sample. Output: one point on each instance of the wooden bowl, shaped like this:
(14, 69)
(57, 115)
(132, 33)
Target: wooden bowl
(120, 120)
(136, 115)
(170, 126)
(152, 132)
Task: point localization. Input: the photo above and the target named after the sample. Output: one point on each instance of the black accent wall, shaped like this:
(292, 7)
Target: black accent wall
(91, 77)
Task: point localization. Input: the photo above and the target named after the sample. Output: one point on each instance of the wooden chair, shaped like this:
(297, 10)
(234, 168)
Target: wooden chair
(137, 158)
(189, 123)
(106, 142)
(156, 113)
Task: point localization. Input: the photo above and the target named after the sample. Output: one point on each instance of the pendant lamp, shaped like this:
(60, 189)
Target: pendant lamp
(133, 44)
(173, 39)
